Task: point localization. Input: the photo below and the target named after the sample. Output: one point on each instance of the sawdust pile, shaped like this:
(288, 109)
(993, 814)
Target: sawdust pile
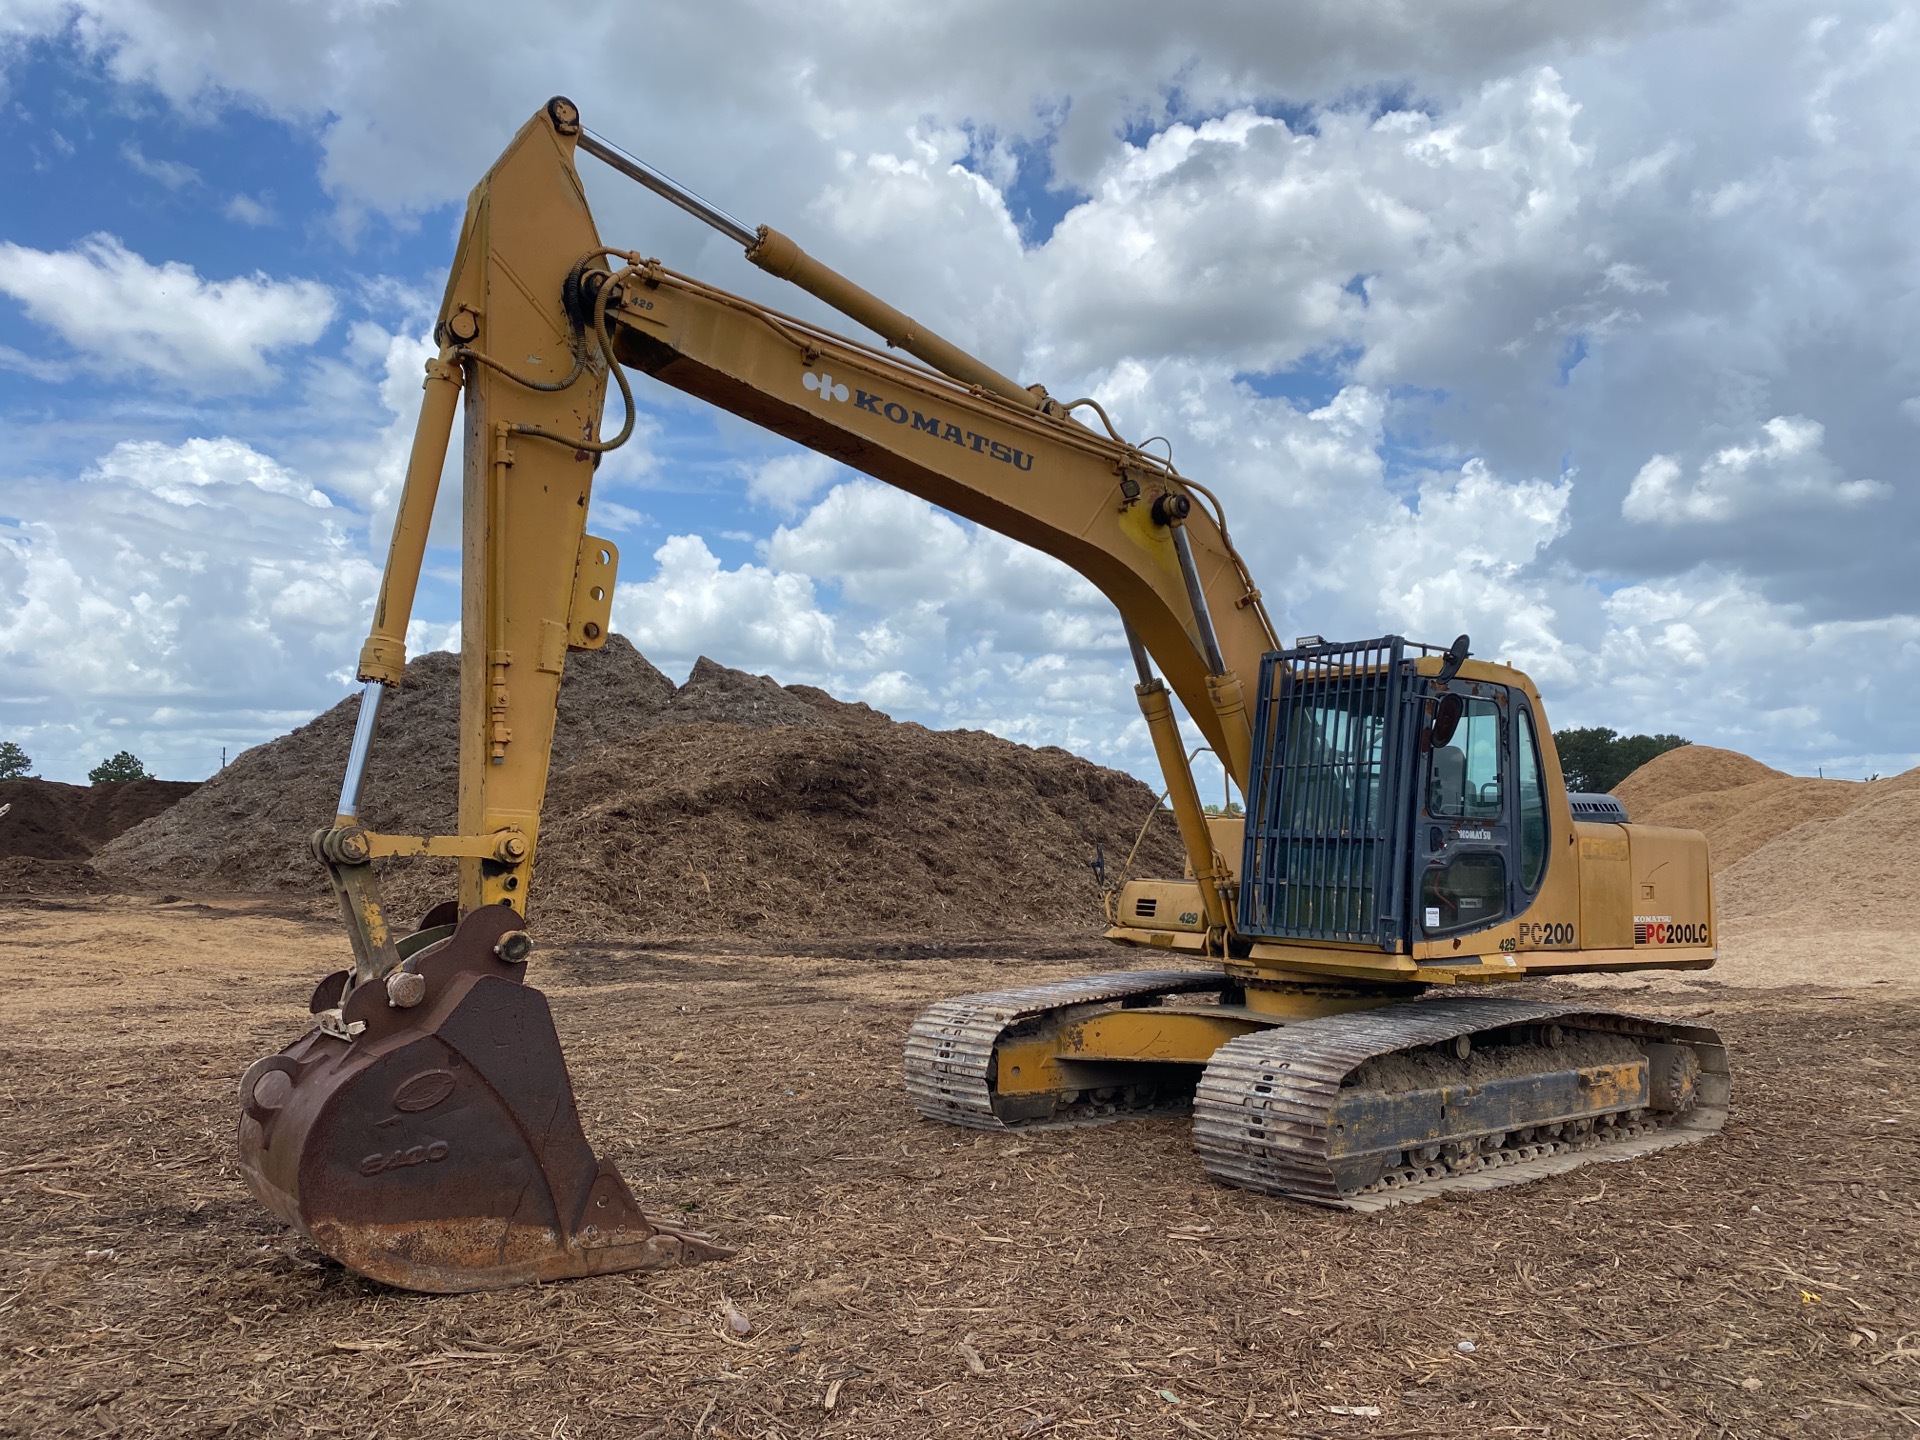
(731, 805)
(1859, 869)
(51, 830)
(247, 828)
(1805, 870)
(1689, 771)
(1747, 818)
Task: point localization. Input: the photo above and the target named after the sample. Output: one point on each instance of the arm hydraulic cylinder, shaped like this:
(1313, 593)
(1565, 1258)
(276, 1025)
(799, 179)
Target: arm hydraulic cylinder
(384, 657)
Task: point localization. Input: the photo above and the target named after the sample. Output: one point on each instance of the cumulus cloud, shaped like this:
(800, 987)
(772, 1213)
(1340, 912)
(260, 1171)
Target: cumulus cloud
(883, 598)
(169, 600)
(752, 616)
(199, 472)
(1784, 466)
(126, 315)
(786, 482)
(1713, 655)
(1584, 329)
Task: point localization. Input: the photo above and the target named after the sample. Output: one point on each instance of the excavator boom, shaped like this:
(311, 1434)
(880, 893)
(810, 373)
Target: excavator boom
(1410, 827)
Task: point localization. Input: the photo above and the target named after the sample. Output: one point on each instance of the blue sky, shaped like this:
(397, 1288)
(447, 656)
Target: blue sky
(1588, 334)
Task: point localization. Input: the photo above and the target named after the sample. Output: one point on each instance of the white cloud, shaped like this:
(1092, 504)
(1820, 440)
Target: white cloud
(1708, 654)
(129, 316)
(186, 597)
(751, 617)
(171, 173)
(1785, 466)
(248, 210)
(198, 472)
(786, 482)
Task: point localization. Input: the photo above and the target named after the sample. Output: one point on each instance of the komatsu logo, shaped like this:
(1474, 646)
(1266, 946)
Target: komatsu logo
(827, 388)
(824, 385)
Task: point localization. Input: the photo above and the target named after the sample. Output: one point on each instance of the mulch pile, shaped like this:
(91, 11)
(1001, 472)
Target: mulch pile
(247, 828)
(51, 830)
(729, 805)
(51, 821)
(1817, 856)
(868, 827)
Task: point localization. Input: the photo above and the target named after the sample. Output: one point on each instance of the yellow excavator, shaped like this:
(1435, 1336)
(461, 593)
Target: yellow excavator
(1407, 842)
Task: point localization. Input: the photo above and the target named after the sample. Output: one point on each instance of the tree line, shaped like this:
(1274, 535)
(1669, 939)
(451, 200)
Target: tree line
(16, 764)
(1596, 759)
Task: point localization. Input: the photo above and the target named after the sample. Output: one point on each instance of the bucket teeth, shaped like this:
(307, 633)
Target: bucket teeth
(438, 1148)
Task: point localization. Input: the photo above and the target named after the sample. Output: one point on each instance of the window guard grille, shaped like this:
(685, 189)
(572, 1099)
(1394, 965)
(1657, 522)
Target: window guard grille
(1327, 814)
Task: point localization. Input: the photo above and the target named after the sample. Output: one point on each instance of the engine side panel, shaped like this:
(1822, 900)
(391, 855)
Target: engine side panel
(1672, 893)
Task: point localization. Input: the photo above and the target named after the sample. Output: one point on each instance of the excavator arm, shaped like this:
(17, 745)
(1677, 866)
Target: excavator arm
(538, 314)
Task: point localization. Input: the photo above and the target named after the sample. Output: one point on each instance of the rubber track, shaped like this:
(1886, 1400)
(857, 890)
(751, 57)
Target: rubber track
(1263, 1105)
(950, 1048)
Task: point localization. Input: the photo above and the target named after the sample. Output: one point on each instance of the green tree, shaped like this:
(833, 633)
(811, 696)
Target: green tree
(14, 762)
(1596, 759)
(124, 766)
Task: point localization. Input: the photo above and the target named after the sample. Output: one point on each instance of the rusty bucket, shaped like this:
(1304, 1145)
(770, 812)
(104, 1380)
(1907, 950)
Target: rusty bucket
(424, 1133)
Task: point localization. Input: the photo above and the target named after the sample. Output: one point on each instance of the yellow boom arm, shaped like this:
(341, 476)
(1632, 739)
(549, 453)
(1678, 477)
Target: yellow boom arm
(538, 313)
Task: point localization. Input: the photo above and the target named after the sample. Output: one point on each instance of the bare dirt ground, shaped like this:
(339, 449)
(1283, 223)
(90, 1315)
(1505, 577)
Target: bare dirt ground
(907, 1279)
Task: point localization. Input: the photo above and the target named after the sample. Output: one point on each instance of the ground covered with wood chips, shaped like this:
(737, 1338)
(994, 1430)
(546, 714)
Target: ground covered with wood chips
(902, 1278)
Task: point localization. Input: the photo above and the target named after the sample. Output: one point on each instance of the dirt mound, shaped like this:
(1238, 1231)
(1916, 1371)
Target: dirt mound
(30, 875)
(731, 805)
(835, 830)
(247, 828)
(1685, 772)
(52, 821)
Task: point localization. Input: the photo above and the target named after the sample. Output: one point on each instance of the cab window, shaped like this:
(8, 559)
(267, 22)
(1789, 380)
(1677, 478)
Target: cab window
(1464, 778)
(1533, 806)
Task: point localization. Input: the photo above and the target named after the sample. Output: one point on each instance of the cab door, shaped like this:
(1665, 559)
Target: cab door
(1464, 823)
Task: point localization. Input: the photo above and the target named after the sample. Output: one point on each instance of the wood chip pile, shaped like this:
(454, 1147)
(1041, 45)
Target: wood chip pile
(1814, 857)
(728, 805)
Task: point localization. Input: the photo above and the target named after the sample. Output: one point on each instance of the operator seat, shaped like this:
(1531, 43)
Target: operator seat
(1447, 792)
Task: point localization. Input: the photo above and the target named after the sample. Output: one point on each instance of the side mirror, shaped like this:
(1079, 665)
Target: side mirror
(1451, 662)
(1446, 720)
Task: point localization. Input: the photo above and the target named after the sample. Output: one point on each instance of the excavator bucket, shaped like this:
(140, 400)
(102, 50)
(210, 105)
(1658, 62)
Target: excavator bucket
(424, 1133)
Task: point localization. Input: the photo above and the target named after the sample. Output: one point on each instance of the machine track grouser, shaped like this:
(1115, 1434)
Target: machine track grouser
(1355, 1110)
(1407, 840)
